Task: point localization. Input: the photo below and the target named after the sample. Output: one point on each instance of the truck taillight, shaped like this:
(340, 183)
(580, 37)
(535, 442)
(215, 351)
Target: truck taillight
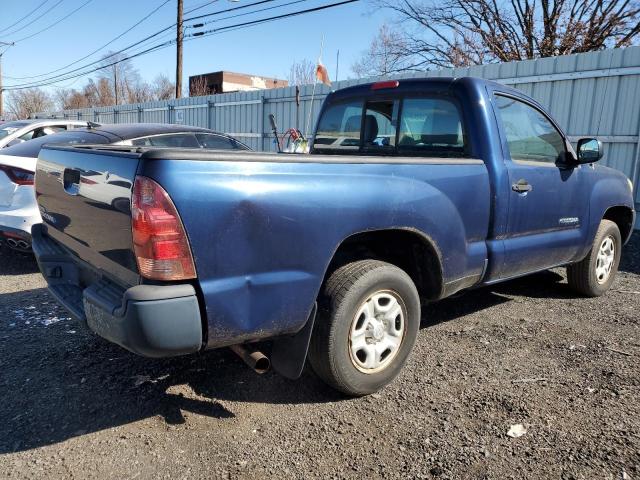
(159, 240)
(18, 175)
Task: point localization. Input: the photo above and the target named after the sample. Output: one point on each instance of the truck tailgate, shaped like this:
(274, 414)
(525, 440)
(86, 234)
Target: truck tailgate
(84, 197)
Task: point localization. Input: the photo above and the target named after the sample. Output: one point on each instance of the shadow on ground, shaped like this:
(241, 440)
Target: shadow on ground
(59, 381)
(630, 261)
(16, 263)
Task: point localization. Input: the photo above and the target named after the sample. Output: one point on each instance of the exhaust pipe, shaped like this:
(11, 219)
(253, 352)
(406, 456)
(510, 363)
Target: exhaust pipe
(257, 361)
(20, 245)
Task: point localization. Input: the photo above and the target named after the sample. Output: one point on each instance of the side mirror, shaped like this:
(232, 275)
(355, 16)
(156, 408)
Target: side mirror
(589, 150)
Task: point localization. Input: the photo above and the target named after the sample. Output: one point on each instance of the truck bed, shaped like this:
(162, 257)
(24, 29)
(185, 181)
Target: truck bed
(263, 227)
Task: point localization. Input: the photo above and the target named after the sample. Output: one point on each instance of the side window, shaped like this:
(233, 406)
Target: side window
(530, 135)
(339, 128)
(41, 132)
(214, 142)
(29, 135)
(431, 126)
(181, 140)
(380, 122)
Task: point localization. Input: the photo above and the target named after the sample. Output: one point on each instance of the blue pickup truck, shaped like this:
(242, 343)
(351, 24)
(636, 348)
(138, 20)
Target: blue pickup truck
(414, 190)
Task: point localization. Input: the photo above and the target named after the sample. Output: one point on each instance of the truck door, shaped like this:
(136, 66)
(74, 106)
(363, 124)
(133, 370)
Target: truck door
(548, 200)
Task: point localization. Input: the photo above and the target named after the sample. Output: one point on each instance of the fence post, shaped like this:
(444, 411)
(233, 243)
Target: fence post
(263, 100)
(211, 108)
(635, 173)
(140, 113)
(170, 109)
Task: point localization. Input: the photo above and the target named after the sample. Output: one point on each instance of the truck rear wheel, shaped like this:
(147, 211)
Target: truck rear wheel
(368, 319)
(594, 275)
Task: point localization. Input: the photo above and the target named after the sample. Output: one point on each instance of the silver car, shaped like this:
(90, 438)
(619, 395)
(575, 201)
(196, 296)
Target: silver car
(13, 133)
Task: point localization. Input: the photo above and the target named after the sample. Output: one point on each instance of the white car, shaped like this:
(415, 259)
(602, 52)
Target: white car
(18, 210)
(18, 207)
(13, 133)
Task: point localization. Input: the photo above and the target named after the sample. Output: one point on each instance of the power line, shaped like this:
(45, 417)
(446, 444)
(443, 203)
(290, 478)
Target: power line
(205, 4)
(130, 46)
(228, 10)
(35, 19)
(270, 19)
(97, 49)
(200, 25)
(40, 5)
(144, 52)
(217, 31)
(113, 54)
(54, 23)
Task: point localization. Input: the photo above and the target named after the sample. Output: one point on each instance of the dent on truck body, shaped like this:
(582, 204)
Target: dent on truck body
(263, 235)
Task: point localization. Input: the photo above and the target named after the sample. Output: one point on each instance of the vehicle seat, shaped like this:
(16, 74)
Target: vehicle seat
(370, 129)
(445, 129)
(353, 124)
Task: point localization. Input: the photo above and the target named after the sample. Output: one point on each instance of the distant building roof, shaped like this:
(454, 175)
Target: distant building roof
(224, 82)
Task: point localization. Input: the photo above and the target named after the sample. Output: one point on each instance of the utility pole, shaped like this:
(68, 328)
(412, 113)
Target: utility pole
(2, 44)
(179, 38)
(1, 99)
(115, 81)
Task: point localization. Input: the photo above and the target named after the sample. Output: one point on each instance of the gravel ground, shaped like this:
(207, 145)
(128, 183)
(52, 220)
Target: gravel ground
(526, 353)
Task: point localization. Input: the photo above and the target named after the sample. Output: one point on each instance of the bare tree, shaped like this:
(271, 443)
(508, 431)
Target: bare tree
(121, 76)
(444, 33)
(70, 99)
(302, 73)
(163, 88)
(24, 103)
(198, 87)
(386, 54)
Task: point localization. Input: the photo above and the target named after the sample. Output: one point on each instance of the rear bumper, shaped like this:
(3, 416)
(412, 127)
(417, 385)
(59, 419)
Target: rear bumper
(20, 219)
(149, 320)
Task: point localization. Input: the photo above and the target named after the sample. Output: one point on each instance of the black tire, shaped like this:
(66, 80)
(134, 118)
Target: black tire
(582, 276)
(343, 294)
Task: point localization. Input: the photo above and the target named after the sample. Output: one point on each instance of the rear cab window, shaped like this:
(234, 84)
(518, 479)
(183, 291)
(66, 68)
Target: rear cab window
(339, 128)
(407, 126)
(176, 140)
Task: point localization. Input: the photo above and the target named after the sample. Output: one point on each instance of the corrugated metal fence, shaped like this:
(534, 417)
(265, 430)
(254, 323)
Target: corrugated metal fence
(589, 94)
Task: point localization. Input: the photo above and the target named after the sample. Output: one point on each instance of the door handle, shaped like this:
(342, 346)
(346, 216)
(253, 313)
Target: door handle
(71, 180)
(521, 186)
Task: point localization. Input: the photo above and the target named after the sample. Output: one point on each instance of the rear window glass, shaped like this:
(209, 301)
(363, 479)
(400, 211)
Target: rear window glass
(380, 122)
(339, 128)
(429, 127)
(32, 148)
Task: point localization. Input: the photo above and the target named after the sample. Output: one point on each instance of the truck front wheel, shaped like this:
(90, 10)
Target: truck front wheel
(368, 319)
(594, 275)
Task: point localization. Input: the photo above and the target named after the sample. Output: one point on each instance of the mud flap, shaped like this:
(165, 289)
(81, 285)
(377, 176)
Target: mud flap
(289, 354)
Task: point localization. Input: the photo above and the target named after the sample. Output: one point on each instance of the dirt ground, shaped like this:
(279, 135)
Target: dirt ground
(528, 353)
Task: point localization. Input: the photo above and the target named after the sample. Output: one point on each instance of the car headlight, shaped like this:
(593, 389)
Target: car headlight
(630, 184)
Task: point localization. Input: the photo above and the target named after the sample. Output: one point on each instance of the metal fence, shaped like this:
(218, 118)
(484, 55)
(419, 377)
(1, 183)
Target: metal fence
(589, 94)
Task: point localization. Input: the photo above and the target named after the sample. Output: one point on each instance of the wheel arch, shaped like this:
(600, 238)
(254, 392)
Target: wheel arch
(623, 217)
(410, 250)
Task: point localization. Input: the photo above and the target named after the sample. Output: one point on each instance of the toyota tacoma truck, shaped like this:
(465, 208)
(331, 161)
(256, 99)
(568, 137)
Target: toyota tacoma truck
(413, 191)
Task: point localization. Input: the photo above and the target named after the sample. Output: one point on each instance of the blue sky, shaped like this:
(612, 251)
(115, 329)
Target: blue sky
(267, 49)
